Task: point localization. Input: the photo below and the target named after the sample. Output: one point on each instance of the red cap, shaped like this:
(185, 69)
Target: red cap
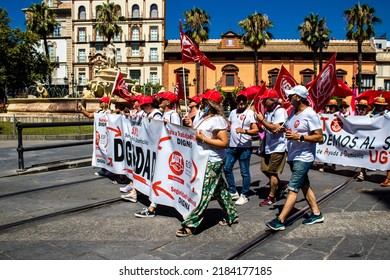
(170, 96)
(105, 99)
(145, 100)
(196, 99)
(136, 97)
(213, 95)
(270, 93)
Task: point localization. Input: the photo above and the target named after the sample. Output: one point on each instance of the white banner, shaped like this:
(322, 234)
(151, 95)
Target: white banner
(359, 141)
(163, 160)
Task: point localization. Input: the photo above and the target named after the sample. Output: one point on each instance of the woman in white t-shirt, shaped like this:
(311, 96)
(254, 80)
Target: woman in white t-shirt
(211, 134)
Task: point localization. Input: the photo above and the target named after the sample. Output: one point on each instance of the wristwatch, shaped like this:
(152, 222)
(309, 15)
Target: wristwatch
(302, 138)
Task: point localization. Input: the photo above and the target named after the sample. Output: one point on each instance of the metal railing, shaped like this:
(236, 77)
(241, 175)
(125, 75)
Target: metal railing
(20, 126)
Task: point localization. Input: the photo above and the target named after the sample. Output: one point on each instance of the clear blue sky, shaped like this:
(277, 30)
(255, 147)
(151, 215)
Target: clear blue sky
(225, 14)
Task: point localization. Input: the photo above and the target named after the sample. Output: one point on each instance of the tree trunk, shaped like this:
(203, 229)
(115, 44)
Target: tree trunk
(360, 59)
(197, 78)
(256, 68)
(47, 57)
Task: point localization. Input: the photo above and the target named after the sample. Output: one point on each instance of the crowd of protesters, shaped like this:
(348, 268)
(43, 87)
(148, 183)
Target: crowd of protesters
(288, 138)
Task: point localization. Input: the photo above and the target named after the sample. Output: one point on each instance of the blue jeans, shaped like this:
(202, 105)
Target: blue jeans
(299, 177)
(243, 155)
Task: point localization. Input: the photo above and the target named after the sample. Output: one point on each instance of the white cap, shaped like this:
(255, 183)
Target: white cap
(298, 90)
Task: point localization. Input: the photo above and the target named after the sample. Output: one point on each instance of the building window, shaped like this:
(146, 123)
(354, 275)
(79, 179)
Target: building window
(135, 75)
(135, 11)
(367, 82)
(117, 37)
(135, 50)
(82, 78)
(306, 79)
(118, 55)
(49, 3)
(99, 48)
(52, 54)
(153, 55)
(153, 78)
(135, 34)
(82, 13)
(82, 37)
(82, 57)
(386, 85)
(153, 11)
(230, 43)
(153, 34)
(57, 30)
(99, 37)
(229, 80)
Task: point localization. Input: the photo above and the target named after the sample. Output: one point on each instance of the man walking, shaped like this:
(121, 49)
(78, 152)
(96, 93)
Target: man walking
(303, 132)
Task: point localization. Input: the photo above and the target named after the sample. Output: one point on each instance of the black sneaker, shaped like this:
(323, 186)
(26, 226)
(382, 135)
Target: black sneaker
(313, 219)
(145, 213)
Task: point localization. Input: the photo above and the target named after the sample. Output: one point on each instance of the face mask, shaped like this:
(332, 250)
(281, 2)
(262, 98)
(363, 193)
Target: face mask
(206, 110)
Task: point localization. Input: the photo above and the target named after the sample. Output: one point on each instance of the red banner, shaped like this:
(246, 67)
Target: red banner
(178, 88)
(120, 89)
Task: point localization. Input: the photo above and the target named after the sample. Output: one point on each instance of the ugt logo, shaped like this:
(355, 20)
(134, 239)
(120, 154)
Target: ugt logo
(176, 163)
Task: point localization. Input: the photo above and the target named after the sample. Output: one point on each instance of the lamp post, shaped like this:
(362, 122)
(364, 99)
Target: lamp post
(353, 82)
(269, 81)
(194, 83)
(72, 83)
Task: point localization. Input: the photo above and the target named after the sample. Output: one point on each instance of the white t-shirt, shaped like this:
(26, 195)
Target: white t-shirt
(172, 117)
(302, 123)
(210, 127)
(275, 142)
(244, 120)
(155, 114)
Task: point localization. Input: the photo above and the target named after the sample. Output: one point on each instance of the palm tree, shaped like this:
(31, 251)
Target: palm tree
(196, 28)
(313, 34)
(108, 15)
(360, 21)
(255, 35)
(41, 20)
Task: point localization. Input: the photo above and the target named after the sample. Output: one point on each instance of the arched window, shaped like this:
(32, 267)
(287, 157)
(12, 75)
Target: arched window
(98, 12)
(230, 75)
(135, 11)
(153, 11)
(135, 34)
(82, 13)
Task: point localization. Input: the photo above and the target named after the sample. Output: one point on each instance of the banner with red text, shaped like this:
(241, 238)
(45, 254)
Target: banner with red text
(163, 160)
(359, 141)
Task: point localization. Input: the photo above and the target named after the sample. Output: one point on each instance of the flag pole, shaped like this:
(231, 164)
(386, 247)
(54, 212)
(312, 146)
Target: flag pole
(185, 89)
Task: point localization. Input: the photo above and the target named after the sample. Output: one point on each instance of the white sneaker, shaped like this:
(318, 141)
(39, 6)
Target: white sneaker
(235, 196)
(242, 200)
(126, 188)
(129, 197)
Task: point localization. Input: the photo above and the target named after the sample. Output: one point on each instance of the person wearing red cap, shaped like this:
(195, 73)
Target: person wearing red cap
(362, 109)
(104, 107)
(194, 104)
(167, 102)
(273, 146)
(243, 125)
(211, 134)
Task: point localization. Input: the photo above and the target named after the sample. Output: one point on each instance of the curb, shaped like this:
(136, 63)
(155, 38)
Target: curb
(57, 166)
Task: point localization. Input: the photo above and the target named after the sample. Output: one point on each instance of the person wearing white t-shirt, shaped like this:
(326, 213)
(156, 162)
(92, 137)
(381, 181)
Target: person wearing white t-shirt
(211, 134)
(167, 102)
(303, 132)
(243, 125)
(273, 155)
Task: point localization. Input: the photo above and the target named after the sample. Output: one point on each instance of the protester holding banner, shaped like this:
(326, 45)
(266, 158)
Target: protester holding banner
(303, 132)
(211, 134)
(380, 107)
(362, 109)
(167, 104)
(273, 155)
(344, 109)
(193, 105)
(243, 125)
(104, 106)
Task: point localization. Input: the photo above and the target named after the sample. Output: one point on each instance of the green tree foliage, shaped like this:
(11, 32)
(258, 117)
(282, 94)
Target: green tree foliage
(196, 27)
(313, 33)
(255, 35)
(108, 16)
(20, 64)
(360, 27)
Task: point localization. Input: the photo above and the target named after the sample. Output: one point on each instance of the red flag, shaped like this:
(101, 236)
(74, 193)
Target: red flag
(259, 107)
(120, 89)
(324, 85)
(178, 88)
(283, 82)
(352, 107)
(190, 52)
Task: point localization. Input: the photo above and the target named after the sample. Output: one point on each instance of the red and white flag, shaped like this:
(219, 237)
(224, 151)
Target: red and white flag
(178, 88)
(324, 85)
(120, 89)
(190, 52)
(284, 81)
(352, 107)
(259, 106)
